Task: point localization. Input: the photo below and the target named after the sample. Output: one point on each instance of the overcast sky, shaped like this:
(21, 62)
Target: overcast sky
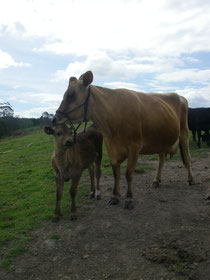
(145, 45)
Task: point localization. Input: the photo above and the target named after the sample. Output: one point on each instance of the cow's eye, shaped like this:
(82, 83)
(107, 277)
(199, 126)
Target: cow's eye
(71, 96)
(59, 134)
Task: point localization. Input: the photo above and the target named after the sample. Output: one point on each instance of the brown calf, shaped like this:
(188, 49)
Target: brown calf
(69, 159)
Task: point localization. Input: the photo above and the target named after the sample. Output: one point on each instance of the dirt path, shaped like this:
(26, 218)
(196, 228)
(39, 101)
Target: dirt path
(166, 236)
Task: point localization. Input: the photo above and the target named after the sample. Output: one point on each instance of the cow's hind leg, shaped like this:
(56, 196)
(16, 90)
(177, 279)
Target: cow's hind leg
(157, 180)
(185, 155)
(131, 165)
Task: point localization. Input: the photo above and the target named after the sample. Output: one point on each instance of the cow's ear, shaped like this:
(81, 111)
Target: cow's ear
(49, 130)
(72, 79)
(87, 78)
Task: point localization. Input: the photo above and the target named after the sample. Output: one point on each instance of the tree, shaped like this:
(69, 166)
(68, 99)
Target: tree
(46, 119)
(6, 110)
(47, 115)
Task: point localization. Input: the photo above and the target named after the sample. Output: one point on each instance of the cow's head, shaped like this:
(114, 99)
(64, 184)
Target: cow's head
(72, 105)
(63, 137)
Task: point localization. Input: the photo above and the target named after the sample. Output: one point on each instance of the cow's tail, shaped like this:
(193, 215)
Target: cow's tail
(182, 154)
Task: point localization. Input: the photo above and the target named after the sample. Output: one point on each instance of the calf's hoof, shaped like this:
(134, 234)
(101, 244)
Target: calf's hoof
(129, 204)
(156, 184)
(91, 195)
(113, 201)
(73, 217)
(55, 219)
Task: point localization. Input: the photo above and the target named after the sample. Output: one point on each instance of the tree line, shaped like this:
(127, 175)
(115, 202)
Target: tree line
(10, 125)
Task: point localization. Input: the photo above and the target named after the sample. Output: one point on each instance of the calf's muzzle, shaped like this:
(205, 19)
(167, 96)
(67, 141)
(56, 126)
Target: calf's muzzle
(69, 143)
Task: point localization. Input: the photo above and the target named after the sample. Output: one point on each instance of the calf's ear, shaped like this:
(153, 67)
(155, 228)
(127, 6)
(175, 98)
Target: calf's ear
(49, 130)
(87, 78)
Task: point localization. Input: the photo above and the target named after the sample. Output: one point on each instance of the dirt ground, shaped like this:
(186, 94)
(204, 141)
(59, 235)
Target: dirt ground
(166, 236)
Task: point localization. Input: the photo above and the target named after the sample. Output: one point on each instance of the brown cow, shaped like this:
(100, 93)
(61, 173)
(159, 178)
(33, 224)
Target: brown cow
(131, 123)
(69, 159)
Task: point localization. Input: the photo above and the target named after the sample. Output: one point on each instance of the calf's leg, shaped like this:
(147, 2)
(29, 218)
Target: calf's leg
(92, 181)
(73, 192)
(98, 176)
(59, 193)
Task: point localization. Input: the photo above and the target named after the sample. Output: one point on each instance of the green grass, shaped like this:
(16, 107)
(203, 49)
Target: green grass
(27, 189)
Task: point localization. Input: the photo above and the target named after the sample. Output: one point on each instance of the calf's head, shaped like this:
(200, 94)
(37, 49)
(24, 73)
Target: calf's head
(63, 137)
(72, 105)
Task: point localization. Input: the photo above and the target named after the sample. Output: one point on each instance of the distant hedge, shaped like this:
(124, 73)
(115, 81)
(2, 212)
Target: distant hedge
(8, 125)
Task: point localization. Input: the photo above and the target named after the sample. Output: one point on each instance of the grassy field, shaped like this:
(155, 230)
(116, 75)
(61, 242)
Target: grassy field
(27, 189)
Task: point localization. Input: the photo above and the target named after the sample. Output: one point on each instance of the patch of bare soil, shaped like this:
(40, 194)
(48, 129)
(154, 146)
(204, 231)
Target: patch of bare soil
(166, 236)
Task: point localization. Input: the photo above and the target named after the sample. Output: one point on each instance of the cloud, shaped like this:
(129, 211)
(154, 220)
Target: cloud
(131, 86)
(47, 98)
(197, 97)
(85, 27)
(154, 45)
(29, 104)
(35, 112)
(35, 104)
(7, 61)
(191, 75)
(110, 66)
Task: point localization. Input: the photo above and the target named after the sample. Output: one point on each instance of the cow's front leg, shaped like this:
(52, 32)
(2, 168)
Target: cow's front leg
(73, 192)
(59, 193)
(116, 192)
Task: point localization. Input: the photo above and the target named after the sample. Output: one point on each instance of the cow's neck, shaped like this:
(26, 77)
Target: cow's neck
(101, 108)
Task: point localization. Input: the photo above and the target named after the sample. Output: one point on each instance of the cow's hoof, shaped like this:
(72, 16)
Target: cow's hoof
(113, 201)
(98, 197)
(73, 217)
(129, 204)
(156, 184)
(55, 219)
(191, 182)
